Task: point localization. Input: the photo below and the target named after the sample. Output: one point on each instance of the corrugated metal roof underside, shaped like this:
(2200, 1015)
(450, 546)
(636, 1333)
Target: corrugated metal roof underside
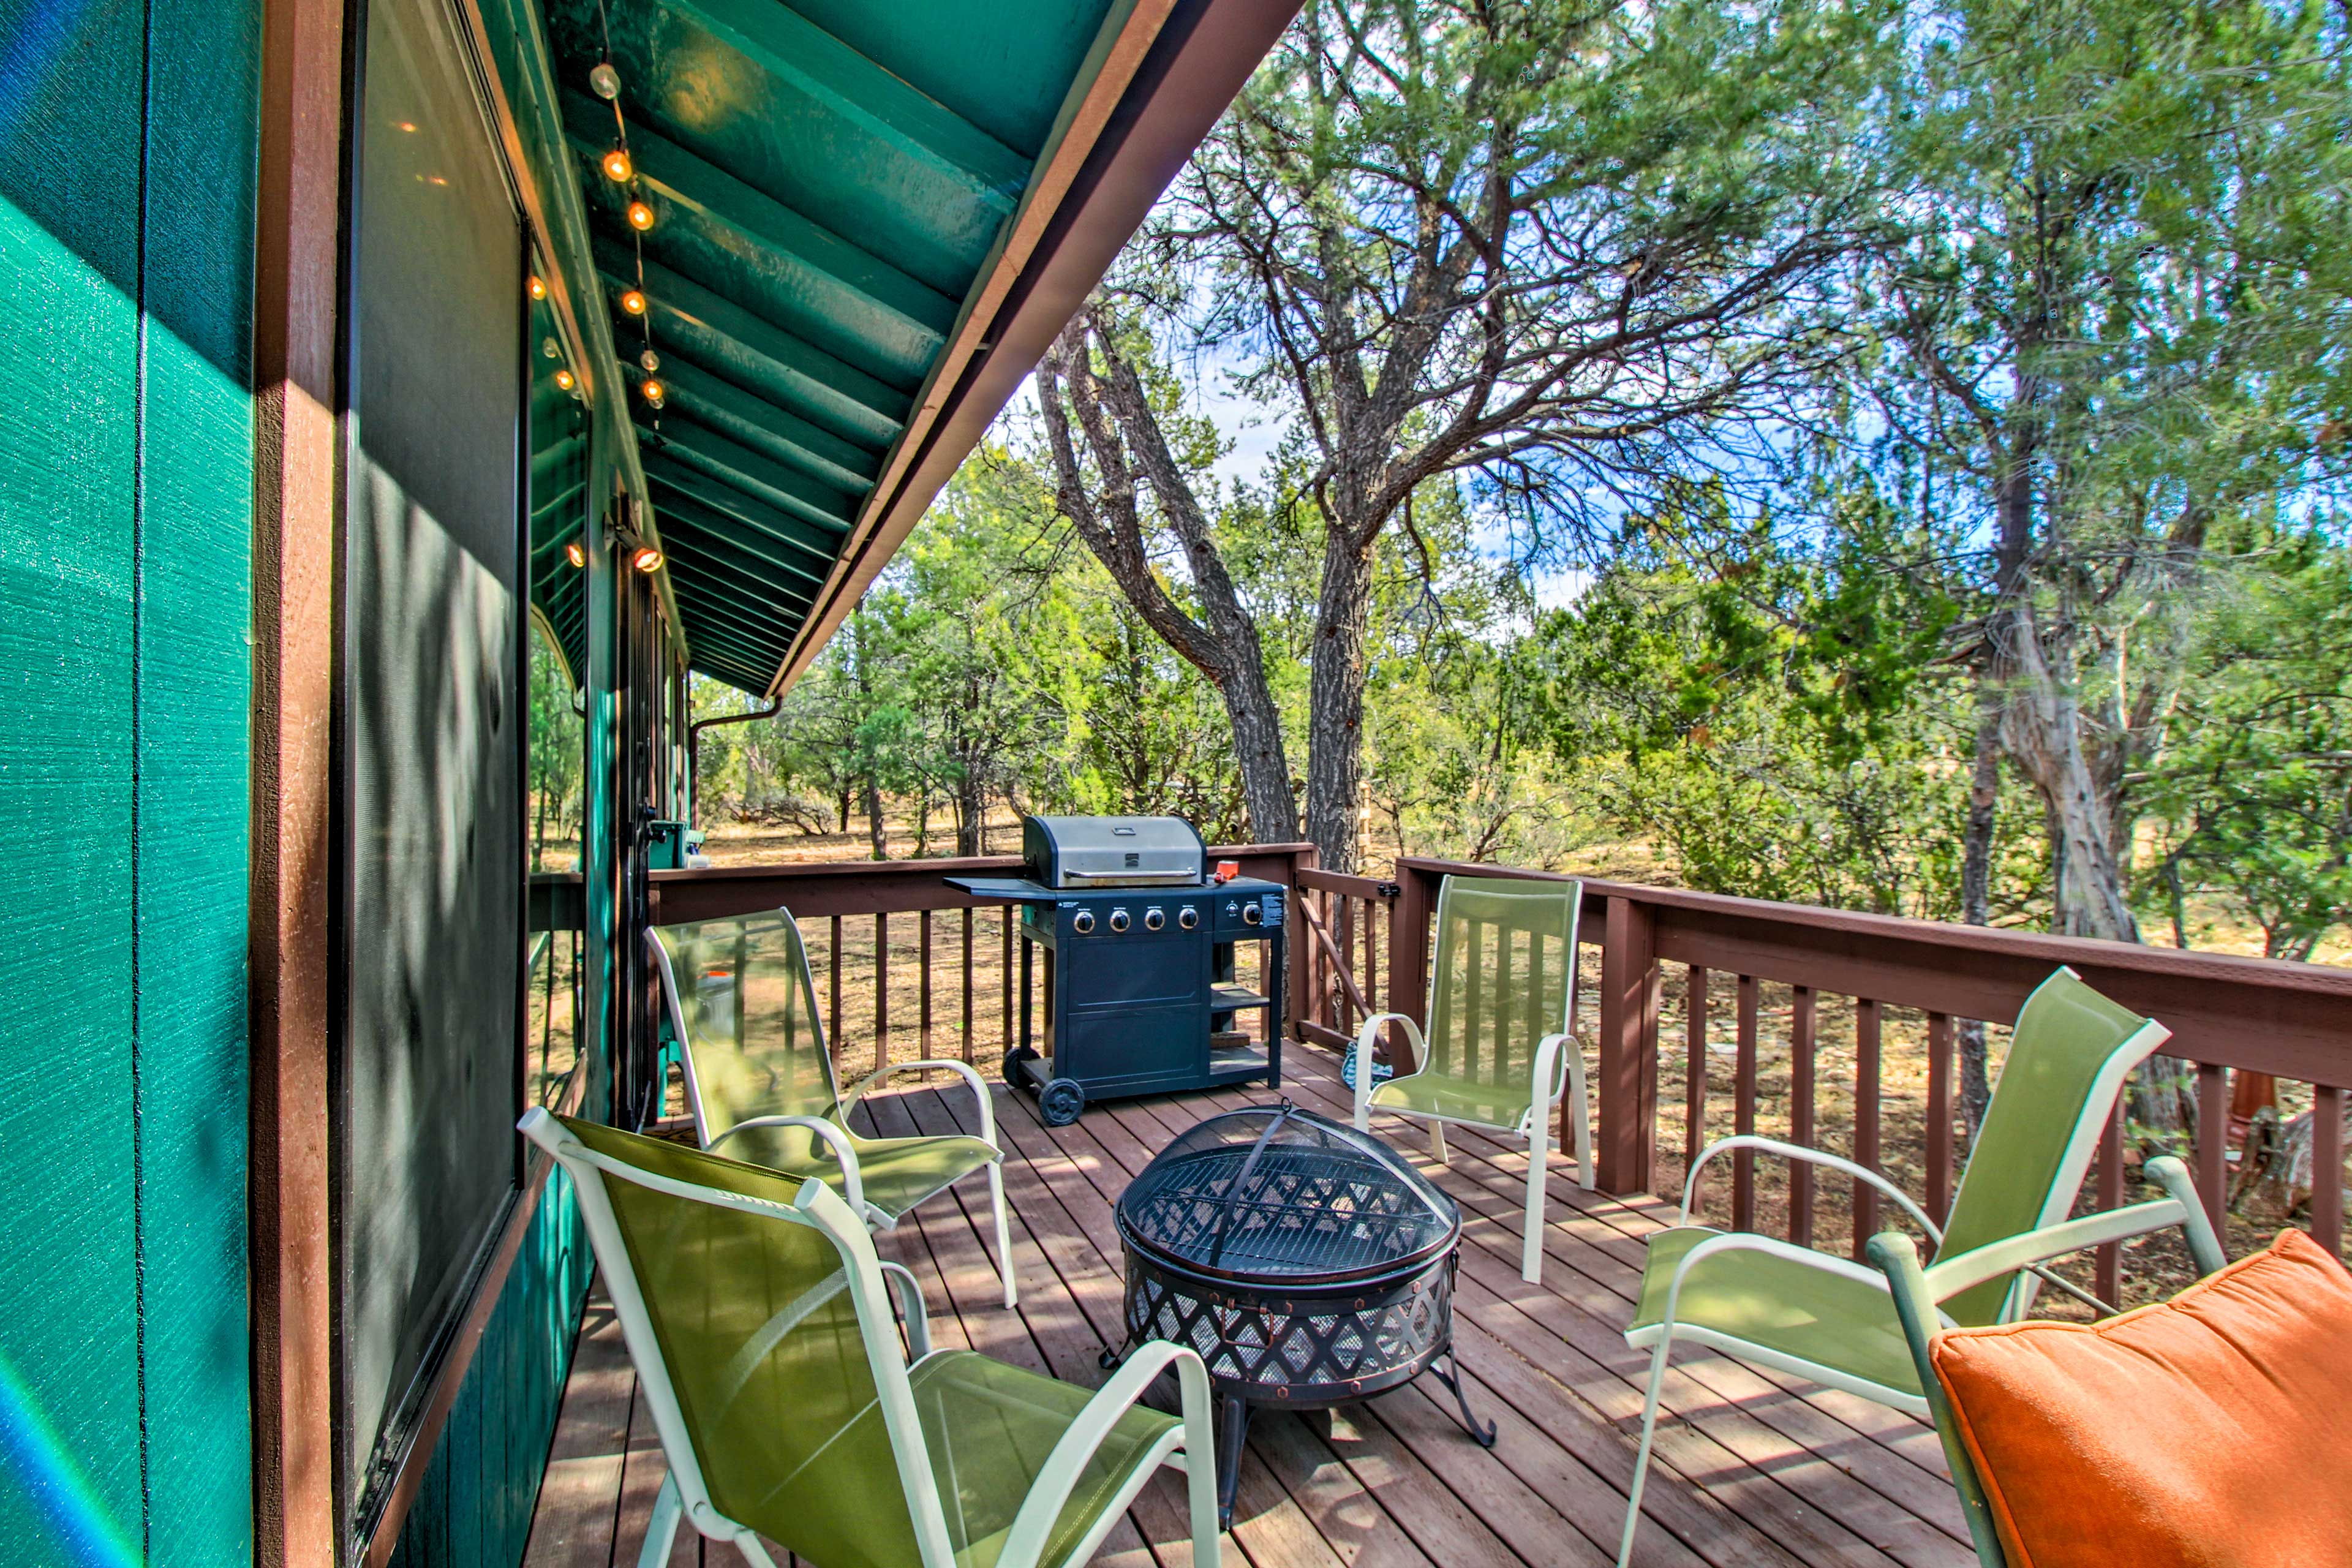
(828, 180)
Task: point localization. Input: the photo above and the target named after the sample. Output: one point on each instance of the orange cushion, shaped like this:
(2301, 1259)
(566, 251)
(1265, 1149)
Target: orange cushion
(2209, 1431)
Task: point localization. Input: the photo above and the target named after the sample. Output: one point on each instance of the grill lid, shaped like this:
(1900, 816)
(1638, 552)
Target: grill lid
(1111, 851)
(1274, 1192)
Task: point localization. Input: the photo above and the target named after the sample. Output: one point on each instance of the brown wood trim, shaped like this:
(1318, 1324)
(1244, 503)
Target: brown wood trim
(1624, 1152)
(2293, 1020)
(833, 888)
(297, 249)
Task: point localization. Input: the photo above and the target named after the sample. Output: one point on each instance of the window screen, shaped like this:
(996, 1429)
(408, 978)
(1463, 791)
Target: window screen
(433, 724)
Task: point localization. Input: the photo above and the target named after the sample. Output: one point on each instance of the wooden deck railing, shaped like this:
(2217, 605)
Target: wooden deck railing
(1880, 978)
(1702, 1014)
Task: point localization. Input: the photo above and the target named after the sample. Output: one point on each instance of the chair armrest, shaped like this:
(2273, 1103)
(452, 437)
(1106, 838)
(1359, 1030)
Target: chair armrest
(1811, 1156)
(912, 1311)
(1034, 1522)
(835, 1138)
(1366, 1038)
(961, 1070)
(2179, 1206)
(1550, 1063)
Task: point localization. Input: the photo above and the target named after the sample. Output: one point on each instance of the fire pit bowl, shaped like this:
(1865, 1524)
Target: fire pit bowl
(1308, 1263)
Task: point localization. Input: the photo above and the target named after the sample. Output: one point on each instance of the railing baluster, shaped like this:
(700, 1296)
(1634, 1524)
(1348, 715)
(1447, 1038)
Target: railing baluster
(2108, 1286)
(832, 1017)
(967, 984)
(1346, 934)
(2213, 1139)
(1743, 1110)
(925, 980)
(1939, 1117)
(1004, 974)
(881, 991)
(1800, 1112)
(1694, 1072)
(2327, 1168)
(1866, 1119)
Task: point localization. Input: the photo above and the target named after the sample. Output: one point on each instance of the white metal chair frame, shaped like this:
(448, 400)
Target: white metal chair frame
(1557, 1059)
(685, 1497)
(832, 1133)
(1946, 1279)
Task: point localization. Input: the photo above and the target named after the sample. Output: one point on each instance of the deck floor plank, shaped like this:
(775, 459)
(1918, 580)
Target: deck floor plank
(1753, 1468)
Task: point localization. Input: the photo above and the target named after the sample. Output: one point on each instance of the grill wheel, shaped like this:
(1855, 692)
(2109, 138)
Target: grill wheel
(1061, 1102)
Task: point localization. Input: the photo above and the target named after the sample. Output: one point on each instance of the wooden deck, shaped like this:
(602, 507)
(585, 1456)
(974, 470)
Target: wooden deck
(1754, 1468)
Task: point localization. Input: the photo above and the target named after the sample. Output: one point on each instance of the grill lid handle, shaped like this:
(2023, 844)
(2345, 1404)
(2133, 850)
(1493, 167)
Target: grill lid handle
(1240, 1178)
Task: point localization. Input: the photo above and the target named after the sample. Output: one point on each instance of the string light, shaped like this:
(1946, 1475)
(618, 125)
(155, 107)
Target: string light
(645, 558)
(634, 302)
(641, 216)
(566, 380)
(576, 554)
(605, 81)
(617, 166)
(650, 360)
(653, 390)
(538, 287)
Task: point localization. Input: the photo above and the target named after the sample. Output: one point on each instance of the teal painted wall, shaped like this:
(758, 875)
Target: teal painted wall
(474, 1508)
(127, 176)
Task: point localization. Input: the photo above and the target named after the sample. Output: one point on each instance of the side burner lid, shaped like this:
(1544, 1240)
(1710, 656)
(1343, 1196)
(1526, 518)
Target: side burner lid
(1276, 1194)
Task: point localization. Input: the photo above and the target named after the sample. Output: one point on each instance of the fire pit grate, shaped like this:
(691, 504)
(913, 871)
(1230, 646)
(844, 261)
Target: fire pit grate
(1306, 1262)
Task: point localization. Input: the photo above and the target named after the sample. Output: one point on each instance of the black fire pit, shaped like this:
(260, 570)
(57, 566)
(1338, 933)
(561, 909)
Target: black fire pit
(1307, 1263)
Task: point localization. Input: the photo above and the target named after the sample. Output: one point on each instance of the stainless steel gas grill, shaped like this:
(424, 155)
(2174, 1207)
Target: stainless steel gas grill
(1142, 971)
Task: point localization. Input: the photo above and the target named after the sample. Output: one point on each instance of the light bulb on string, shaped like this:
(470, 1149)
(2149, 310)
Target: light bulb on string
(576, 554)
(634, 302)
(605, 81)
(650, 360)
(551, 348)
(538, 287)
(645, 558)
(641, 216)
(566, 380)
(618, 166)
(654, 392)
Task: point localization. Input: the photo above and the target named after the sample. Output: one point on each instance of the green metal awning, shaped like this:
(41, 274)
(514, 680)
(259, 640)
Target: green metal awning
(868, 219)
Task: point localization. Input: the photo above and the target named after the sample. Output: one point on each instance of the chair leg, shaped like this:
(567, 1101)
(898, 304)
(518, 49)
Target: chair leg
(753, 1553)
(661, 1532)
(1531, 1226)
(1649, 1437)
(1437, 1143)
(1003, 1231)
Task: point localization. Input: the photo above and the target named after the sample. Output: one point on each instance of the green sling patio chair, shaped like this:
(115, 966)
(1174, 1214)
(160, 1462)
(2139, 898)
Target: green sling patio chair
(1830, 1319)
(760, 1081)
(1917, 1293)
(760, 1322)
(1500, 1049)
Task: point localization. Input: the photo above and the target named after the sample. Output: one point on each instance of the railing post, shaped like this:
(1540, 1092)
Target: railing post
(1298, 947)
(1629, 1057)
(1409, 951)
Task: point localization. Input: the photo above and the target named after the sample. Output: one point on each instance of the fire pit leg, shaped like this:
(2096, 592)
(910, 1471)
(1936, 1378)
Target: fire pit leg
(1450, 1375)
(1233, 1425)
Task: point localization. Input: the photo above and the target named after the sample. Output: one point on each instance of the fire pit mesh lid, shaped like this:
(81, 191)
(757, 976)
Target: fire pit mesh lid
(1276, 1193)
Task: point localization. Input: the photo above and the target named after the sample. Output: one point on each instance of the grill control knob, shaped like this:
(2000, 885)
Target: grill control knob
(1188, 917)
(1082, 922)
(1251, 913)
(1153, 920)
(1118, 920)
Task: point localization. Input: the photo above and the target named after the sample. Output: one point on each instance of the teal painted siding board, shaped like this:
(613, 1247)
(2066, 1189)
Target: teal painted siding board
(126, 448)
(194, 685)
(70, 1491)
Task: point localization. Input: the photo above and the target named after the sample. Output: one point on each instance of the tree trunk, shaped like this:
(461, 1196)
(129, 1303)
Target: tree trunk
(971, 811)
(1976, 892)
(1335, 736)
(874, 834)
